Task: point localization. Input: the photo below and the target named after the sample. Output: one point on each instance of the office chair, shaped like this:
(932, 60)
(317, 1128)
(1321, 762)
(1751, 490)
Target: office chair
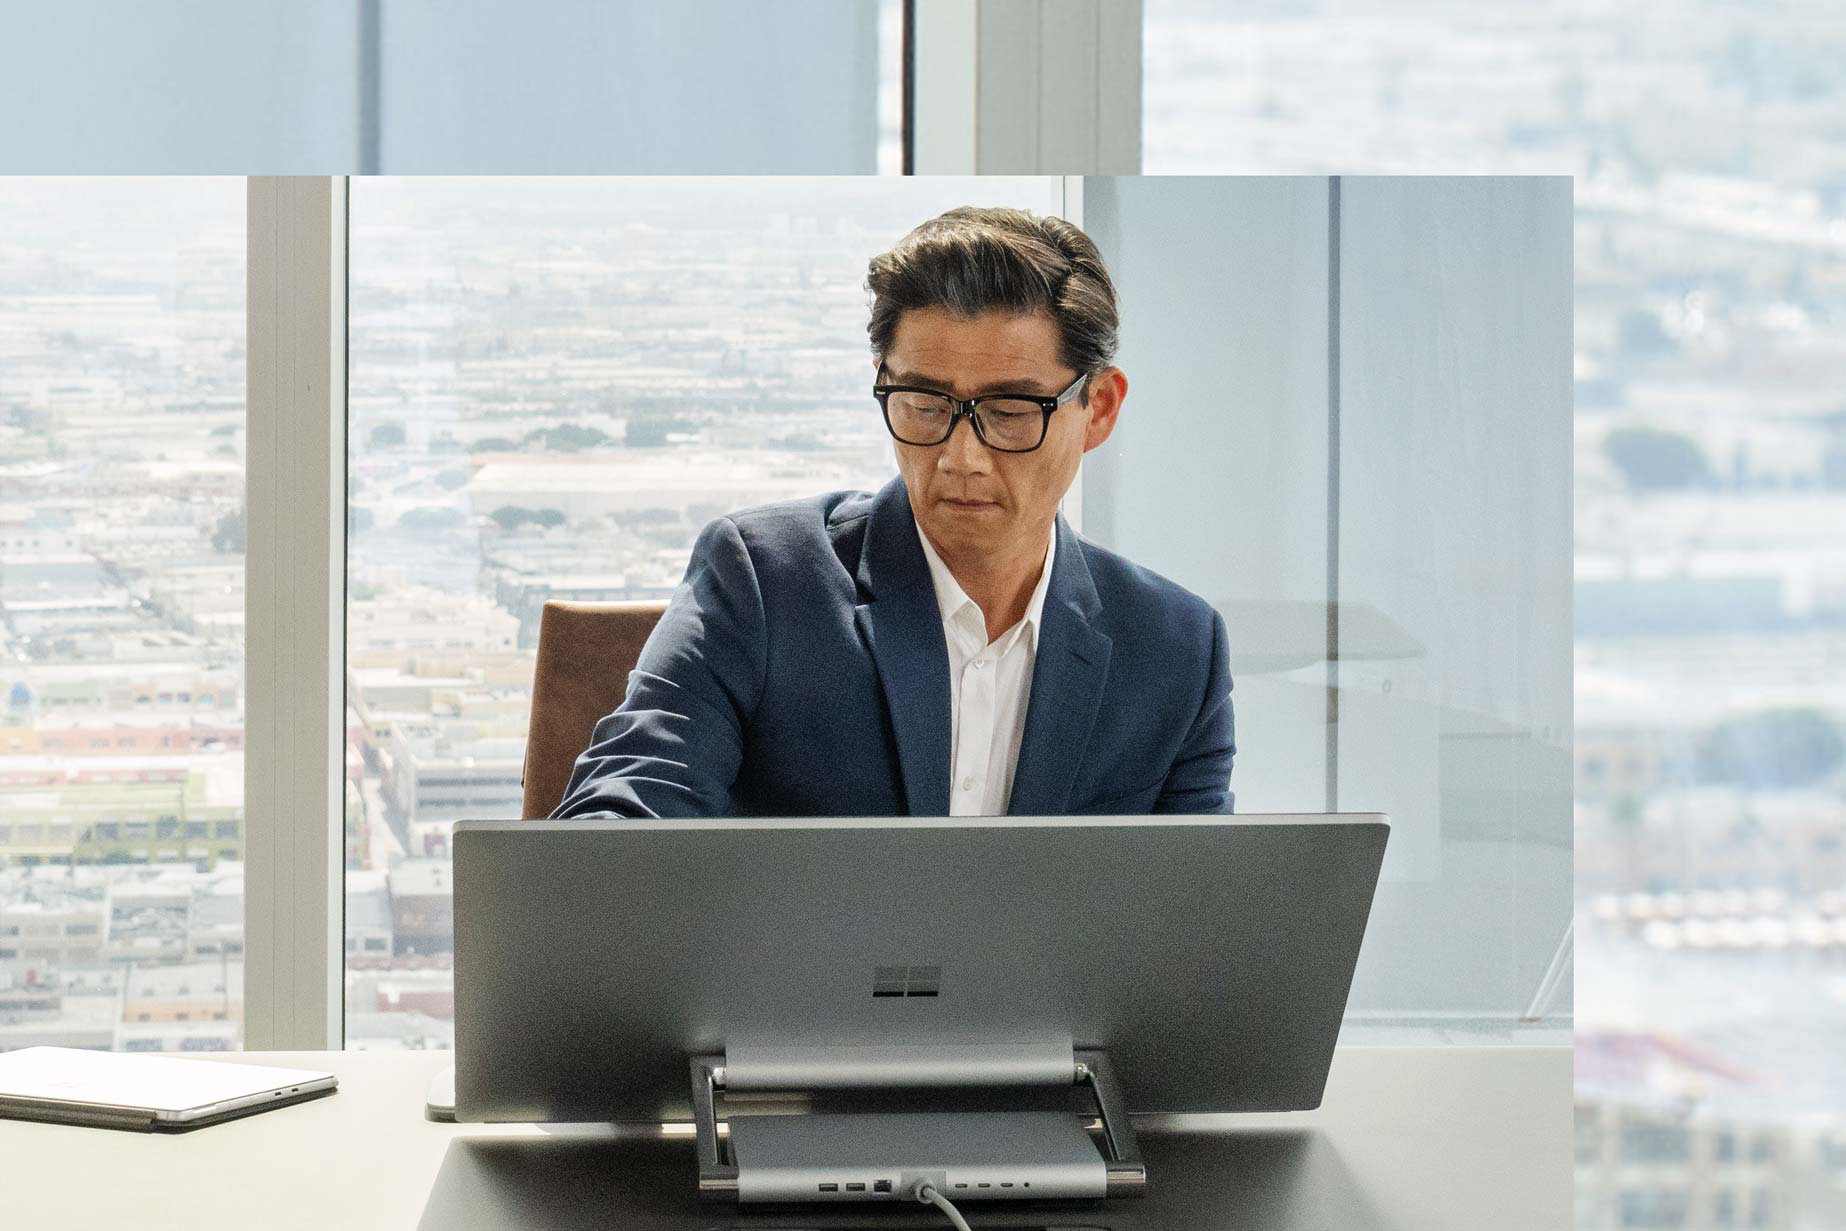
(585, 652)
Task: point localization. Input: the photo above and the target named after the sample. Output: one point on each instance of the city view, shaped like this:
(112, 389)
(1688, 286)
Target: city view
(1708, 145)
(121, 613)
(553, 386)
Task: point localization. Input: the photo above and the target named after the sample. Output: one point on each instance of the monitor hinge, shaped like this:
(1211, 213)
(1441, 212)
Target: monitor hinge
(916, 1068)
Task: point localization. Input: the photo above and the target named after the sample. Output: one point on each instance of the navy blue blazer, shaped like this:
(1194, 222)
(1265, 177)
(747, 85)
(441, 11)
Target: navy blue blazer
(801, 670)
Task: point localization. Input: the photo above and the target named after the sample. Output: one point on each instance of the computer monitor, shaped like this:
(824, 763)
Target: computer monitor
(1209, 957)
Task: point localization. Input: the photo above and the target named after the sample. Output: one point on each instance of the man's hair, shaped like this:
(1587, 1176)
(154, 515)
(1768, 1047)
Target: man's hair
(973, 260)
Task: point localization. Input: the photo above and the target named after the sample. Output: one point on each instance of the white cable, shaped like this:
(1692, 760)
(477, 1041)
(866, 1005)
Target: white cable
(927, 1194)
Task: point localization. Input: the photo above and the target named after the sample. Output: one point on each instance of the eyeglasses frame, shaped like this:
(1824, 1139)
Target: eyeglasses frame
(963, 408)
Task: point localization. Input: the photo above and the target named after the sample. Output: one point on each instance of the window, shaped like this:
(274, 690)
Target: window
(503, 448)
(1652, 1207)
(122, 323)
(1709, 460)
(1650, 1141)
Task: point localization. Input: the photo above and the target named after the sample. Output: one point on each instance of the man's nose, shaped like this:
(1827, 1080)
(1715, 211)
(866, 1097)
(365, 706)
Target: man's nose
(963, 451)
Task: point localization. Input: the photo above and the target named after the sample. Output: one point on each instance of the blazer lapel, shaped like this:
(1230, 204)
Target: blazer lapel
(903, 632)
(1068, 675)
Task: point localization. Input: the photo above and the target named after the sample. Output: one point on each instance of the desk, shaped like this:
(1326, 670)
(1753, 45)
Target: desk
(1415, 1138)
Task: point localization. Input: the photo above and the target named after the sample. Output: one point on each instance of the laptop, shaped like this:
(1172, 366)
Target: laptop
(1037, 968)
(133, 1090)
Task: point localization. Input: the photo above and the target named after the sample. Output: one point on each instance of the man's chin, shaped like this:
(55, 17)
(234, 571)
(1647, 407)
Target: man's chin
(955, 532)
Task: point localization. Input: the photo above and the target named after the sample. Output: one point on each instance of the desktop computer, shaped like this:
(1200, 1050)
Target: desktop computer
(889, 1009)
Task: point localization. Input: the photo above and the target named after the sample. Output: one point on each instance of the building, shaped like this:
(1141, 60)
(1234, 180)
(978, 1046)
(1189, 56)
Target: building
(369, 935)
(121, 809)
(185, 992)
(1640, 1166)
(39, 939)
(148, 921)
(422, 906)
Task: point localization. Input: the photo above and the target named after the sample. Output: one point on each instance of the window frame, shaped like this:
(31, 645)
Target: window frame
(1001, 87)
(295, 617)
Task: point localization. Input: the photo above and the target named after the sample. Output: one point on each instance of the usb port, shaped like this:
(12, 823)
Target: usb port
(855, 1188)
(830, 1188)
(881, 1186)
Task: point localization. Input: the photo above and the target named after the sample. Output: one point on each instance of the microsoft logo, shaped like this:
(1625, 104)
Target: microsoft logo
(906, 980)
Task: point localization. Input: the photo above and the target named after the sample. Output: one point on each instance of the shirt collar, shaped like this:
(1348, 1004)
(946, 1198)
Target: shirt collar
(951, 598)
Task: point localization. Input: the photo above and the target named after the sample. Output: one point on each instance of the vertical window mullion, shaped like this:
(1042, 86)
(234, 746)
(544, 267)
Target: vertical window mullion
(1009, 88)
(294, 607)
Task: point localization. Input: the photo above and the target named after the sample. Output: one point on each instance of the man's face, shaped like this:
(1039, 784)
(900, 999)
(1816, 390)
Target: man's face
(969, 499)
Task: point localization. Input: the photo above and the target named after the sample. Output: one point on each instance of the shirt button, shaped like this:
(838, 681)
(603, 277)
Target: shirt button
(979, 663)
(967, 784)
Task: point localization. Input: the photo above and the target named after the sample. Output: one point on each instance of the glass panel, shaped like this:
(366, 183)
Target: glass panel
(121, 613)
(1236, 472)
(554, 384)
(1216, 474)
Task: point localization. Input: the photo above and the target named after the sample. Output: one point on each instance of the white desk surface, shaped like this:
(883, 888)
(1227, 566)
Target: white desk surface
(1411, 1137)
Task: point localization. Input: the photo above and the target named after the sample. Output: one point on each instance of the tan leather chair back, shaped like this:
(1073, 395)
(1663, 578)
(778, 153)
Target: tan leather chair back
(585, 652)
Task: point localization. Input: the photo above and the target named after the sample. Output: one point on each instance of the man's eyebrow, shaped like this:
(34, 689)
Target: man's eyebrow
(1030, 385)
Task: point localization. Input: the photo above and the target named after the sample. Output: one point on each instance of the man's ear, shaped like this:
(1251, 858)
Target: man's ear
(1108, 389)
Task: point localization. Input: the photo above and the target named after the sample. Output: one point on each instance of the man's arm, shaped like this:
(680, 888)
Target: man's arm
(1200, 780)
(673, 747)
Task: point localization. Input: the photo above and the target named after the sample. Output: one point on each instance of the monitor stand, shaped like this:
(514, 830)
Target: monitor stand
(856, 1156)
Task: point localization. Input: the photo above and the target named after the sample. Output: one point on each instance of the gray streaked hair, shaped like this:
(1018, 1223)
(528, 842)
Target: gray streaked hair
(973, 260)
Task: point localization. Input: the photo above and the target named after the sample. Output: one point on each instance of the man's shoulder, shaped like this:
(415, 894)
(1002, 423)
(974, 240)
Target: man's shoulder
(804, 513)
(804, 531)
(1132, 594)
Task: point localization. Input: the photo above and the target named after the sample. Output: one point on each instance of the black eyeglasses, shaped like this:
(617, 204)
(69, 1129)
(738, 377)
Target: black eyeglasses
(1007, 422)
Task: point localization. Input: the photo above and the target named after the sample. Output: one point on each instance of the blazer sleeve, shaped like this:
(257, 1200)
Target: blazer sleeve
(674, 745)
(1200, 780)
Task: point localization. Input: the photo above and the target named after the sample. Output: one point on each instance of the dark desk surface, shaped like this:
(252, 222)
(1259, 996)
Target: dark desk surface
(1418, 1138)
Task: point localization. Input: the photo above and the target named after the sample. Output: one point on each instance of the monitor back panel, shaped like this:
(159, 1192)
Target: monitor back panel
(1210, 956)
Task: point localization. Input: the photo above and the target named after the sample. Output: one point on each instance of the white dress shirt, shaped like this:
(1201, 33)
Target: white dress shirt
(989, 686)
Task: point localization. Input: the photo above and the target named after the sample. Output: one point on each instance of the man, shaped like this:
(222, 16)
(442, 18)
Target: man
(947, 646)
